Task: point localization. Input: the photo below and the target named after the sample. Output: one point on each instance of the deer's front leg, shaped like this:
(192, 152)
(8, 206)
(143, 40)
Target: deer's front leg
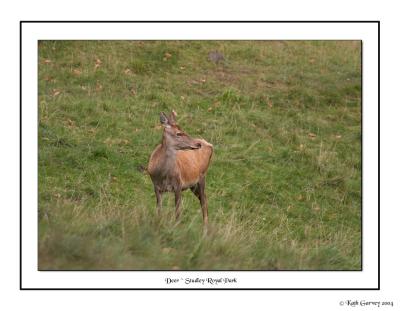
(178, 197)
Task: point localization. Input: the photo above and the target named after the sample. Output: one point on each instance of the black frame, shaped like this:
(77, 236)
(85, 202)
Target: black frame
(219, 21)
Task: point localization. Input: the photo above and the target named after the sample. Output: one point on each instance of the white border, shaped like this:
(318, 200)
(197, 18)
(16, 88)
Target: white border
(32, 32)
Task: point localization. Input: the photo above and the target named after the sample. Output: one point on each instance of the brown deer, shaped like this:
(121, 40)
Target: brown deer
(179, 163)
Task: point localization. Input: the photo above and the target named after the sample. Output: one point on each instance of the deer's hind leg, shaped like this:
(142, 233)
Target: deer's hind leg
(159, 200)
(199, 191)
(195, 190)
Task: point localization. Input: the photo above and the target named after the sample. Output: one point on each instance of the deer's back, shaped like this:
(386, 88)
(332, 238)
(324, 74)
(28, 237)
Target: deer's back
(192, 164)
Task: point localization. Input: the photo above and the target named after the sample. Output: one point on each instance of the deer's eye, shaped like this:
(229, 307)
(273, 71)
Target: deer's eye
(179, 134)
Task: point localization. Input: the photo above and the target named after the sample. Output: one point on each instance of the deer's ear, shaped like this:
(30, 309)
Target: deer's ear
(164, 120)
(172, 117)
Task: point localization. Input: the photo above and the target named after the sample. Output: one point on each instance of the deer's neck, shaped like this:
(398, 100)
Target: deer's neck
(168, 160)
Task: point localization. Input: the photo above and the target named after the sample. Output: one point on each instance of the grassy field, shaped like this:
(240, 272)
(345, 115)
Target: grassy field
(284, 186)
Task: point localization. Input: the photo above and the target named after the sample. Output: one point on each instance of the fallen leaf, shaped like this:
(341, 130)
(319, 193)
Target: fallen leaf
(203, 80)
(127, 71)
(49, 79)
(107, 141)
(209, 109)
(99, 87)
(56, 92)
(132, 90)
(167, 55)
(47, 61)
(182, 67)
(312, 135)
(77, 72)
(338, 136)
(166, 250)
(97, 63)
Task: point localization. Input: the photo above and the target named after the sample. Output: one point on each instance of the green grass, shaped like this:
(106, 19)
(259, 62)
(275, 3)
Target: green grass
(284, 186)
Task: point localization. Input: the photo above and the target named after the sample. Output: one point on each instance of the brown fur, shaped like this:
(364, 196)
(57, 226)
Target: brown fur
(188, 167)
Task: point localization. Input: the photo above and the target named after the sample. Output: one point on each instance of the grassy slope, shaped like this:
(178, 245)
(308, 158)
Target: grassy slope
(284, 185)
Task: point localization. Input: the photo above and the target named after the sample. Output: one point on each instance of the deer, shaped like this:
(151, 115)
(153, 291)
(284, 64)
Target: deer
(179, 163)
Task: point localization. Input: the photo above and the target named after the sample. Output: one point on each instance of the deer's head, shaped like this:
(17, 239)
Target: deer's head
(174, 137)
